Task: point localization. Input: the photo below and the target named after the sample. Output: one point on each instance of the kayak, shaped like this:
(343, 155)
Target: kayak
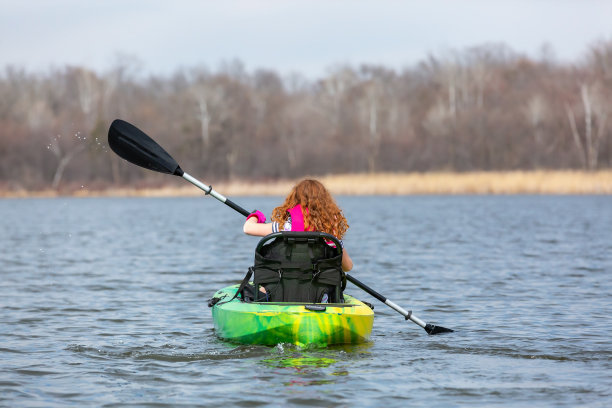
(302, 324)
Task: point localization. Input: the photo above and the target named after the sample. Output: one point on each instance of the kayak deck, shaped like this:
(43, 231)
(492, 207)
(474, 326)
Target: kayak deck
(303, 324)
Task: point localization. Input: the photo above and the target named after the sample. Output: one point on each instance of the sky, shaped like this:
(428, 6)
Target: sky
(308, 37)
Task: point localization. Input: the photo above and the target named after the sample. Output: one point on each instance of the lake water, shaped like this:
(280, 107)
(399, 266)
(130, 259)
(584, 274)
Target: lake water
(103, 303)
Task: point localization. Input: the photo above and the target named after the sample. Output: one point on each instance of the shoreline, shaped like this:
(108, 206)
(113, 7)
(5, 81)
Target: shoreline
(563, 182)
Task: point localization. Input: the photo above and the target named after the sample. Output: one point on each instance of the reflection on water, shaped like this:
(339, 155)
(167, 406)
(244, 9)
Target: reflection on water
(299, 363)
(103, 302)
(295, 367)
(317, 366)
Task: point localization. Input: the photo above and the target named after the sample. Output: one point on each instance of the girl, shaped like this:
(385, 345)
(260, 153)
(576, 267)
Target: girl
(308, 207)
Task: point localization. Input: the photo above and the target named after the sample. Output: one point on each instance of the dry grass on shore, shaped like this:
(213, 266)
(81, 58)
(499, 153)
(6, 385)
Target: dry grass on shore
(514, 182)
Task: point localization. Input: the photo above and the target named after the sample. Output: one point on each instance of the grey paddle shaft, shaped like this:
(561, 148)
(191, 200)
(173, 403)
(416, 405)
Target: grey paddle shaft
(202, 186)
(406, 314)
(209, 190)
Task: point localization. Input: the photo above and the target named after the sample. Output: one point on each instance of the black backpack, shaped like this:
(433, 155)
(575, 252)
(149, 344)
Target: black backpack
(298, 267)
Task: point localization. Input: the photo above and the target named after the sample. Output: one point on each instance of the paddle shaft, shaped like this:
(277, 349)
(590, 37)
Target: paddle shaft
(218, 196)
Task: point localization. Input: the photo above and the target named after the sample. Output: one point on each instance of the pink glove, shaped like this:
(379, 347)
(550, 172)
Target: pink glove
(261, 218)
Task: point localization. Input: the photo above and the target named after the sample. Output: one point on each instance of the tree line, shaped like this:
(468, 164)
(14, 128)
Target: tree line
(482, 108)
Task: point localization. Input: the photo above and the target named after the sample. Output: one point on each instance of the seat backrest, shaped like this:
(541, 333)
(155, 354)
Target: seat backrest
(298, 267)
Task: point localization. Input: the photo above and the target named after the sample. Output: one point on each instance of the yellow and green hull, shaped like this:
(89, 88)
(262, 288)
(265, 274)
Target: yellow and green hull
(273, 323)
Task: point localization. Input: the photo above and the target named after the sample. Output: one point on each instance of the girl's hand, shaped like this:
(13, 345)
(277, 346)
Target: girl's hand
(261, 218)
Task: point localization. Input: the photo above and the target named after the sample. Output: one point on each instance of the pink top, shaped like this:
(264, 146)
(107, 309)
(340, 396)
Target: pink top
(296, 222)
(297, 218)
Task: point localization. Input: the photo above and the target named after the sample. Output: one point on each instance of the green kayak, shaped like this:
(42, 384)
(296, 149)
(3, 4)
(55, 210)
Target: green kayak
(303, 324)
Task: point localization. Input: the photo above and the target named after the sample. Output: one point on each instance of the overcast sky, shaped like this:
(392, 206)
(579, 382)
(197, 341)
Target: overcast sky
(304, 36)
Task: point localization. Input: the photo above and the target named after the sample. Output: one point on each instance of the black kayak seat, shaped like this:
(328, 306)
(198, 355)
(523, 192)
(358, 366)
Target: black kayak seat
(300, 266)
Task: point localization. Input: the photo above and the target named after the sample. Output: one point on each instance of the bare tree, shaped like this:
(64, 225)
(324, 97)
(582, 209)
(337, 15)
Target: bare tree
(595, 118)
(204, 94)
(334, 90)
(537, 112)
(64, 157)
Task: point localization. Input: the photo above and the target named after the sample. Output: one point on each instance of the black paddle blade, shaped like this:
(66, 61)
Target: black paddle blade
(133, 145)
(433, 329)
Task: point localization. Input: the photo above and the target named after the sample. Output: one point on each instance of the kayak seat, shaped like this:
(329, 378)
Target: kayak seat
(296, 266)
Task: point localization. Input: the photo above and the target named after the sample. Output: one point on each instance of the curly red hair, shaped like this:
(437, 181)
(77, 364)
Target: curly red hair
(323, 213)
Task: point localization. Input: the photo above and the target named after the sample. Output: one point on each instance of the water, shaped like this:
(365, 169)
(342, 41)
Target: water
(103, 303)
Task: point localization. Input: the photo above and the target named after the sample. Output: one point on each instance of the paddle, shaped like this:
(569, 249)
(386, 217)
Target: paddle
(135, 146)
(429, 328)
